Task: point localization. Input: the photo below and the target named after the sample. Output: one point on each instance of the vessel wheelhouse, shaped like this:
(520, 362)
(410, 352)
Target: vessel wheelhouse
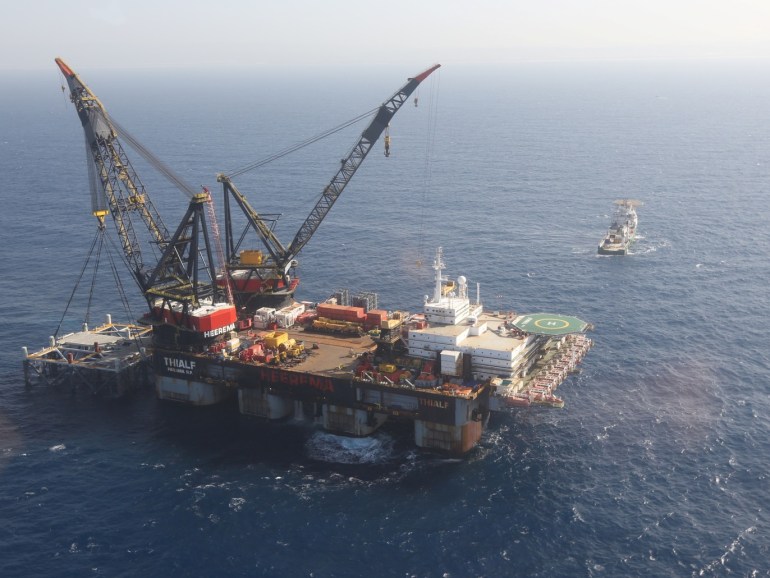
(622, 232)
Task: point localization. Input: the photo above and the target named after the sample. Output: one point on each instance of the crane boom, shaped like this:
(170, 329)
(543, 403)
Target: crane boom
(182, 283)
(256, 222)
(115, 186)
(262, 280)
(350, 165)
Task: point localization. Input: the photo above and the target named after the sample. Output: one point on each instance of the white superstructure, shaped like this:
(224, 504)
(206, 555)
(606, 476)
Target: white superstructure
(459, 329)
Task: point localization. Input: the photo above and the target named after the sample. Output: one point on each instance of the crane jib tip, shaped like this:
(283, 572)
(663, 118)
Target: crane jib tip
(424, 75)
(66, 70)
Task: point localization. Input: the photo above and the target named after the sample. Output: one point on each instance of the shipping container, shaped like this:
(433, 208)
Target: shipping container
(341, 312)
(376, 316)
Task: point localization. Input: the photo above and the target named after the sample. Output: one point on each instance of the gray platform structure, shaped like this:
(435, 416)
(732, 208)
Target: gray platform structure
(109, 360)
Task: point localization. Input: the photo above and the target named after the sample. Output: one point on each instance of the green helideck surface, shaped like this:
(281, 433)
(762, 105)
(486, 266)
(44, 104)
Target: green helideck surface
(549, 324)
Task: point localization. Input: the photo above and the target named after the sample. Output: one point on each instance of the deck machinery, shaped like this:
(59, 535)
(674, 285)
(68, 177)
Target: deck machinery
(237, 331)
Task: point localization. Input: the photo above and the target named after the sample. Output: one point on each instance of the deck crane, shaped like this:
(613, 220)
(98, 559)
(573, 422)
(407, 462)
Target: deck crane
(260, 279)
(186, 304)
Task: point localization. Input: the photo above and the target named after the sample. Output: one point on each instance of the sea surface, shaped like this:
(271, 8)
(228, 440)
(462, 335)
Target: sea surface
(658, 464)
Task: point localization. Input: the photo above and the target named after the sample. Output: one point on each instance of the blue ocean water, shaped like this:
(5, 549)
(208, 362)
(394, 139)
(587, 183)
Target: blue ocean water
(657, 466)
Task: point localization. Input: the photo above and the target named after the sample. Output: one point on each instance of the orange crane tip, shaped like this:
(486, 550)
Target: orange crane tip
(66, 70)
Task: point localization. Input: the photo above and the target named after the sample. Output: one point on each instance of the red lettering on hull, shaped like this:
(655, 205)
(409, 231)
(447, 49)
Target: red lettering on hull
(278, 376)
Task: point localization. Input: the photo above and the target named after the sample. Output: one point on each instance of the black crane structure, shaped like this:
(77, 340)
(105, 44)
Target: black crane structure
(272, 274)
(185, 273)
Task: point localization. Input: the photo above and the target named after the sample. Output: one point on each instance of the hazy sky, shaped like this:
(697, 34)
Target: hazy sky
(217, 33)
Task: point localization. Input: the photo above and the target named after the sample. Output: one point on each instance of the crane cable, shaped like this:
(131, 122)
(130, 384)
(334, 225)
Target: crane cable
(218, 245)
(77, 283)
(123, 296)
(87, 319)
(164, 169)
(100, 236)
(191, 191)
(65, 93)
(429, 148)
(302, 144)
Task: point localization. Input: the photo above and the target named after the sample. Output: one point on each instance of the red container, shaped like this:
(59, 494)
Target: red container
(341, 312)
(376, 316)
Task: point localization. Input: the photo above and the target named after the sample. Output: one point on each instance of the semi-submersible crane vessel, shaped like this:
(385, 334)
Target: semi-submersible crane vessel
(350, 366)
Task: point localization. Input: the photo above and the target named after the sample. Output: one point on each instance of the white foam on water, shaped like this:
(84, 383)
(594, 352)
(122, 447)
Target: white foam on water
(236, 504)
(327, 447)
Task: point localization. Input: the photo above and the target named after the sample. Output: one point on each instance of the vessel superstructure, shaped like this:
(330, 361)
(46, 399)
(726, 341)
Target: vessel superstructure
(622, 232)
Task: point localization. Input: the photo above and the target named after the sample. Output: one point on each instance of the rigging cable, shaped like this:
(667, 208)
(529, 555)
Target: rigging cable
(302, 144)
(87, 319)
(429, 148)
(164, 169)
(123, 296)
(64, 91)
(218, 245)
(118, 282)
(77, 283)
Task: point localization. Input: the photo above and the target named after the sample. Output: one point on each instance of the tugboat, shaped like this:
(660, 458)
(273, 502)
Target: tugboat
(622, 231)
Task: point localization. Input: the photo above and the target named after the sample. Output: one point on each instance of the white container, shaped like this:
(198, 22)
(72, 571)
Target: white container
(265, 314)
(451, 362)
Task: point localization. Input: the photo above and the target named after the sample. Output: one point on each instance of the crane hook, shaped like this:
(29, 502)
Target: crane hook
(387, 141)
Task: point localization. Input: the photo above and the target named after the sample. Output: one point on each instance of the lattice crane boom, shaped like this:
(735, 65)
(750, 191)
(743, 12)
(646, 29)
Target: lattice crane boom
(271, 274)
(115, 187)
(183, 277)
(350, 165)
(274, 247)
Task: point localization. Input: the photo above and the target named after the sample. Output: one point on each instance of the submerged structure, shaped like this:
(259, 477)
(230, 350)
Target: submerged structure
(233, 328)
(622, 231)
